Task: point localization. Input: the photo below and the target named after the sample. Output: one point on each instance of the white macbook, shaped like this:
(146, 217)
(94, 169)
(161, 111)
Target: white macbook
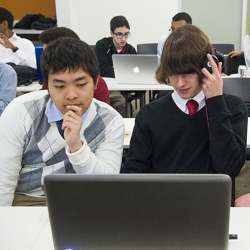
(135, 69)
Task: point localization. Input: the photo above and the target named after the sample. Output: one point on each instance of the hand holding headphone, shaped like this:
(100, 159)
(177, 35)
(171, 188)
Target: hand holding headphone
(212, 83)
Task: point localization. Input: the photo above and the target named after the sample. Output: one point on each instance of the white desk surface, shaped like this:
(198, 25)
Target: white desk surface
(248, 134)
(27, 31)
(29, 228)
(129, 126)
(114, 86)
(34, 86)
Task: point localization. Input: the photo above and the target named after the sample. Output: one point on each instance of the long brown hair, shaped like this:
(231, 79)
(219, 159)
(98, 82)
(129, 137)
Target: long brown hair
(184, 52)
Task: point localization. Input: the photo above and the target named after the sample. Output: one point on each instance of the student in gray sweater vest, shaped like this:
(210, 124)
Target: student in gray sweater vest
(172, 136)
(62, 130)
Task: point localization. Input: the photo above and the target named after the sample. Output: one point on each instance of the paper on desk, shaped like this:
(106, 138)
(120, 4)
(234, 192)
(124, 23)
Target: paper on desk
(129, 125)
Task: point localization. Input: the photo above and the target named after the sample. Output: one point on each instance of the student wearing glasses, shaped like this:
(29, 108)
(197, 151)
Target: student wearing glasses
(117, 43)
(195, 129)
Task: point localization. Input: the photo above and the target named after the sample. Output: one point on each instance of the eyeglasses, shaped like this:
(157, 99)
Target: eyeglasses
(121, 35)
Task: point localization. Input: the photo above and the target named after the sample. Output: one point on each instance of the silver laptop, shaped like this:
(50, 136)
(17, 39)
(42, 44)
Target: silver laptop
(139, 212)
(135, 69)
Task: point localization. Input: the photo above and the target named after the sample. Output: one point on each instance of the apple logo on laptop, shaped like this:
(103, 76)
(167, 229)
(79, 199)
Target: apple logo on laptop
(136, 69)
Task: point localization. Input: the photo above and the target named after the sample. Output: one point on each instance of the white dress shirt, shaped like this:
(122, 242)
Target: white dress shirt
(181, 103)
(25, 55)
(160, 45)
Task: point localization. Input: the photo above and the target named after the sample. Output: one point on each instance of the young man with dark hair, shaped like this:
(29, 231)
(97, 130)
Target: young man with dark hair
(101, 92)
(178, 20)
(116, 44)
(14, 49)
(197, 128)
(52, 34)
(62, 130)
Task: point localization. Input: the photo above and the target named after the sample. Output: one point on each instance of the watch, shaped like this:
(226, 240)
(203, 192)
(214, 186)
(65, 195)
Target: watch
(15, 49)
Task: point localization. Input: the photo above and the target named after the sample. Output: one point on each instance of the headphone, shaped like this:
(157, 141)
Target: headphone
(217, 57)
(207, 64)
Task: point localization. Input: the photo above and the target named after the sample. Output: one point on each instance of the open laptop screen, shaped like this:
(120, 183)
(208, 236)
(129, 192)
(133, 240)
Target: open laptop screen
(142, 212)
(135, 69)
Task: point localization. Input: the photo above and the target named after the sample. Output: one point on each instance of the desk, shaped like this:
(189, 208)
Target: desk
(248, 134)
(34, 86)
(28, 228)
(114, 86)
(126, 89)
(30, 34)
(129, 126)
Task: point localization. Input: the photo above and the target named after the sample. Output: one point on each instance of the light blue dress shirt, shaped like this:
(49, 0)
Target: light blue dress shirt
(8, 84)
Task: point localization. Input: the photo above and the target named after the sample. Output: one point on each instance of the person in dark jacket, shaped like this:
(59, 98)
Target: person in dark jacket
(117, 43)
(197, 128)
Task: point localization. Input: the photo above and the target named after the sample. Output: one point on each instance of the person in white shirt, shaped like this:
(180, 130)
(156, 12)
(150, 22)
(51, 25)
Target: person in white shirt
(14, 49)
(62, 130)
(178, 20)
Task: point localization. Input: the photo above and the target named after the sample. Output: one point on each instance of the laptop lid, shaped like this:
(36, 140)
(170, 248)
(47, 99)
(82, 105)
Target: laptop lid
(139, 212)
(135, 69)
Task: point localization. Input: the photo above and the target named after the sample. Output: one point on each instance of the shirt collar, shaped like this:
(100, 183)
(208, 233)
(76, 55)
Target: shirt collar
(181, 103)
(13, 37)
(54, 114)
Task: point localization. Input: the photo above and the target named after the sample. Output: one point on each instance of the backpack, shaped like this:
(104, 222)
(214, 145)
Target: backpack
(25, 74)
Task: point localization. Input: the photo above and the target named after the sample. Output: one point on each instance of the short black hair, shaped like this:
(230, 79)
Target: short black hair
(182, 16)
(52, 34)
(5, 15)
(118, 21)
(68, 54)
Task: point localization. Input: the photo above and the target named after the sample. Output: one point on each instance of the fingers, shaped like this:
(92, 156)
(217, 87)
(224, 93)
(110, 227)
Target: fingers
(71, 119)
(234, 53)
(216, 69)
(77, 110)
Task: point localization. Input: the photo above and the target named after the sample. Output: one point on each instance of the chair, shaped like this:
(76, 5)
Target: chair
(38, 51)
(147, 48)
(231, 64)
(224, 48)
(239, 87)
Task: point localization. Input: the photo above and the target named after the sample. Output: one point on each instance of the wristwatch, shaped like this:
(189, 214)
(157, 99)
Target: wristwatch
(15, 49)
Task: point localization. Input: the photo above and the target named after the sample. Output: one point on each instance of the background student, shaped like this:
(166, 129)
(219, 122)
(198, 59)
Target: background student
(178, 20)
(101, 92)
(117, 43)
(13, 48)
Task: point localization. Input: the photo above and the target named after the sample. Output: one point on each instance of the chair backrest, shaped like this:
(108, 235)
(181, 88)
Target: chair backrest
(224, 48)
(231, 64)
(238, 87)
(147, 48)
(38, 51)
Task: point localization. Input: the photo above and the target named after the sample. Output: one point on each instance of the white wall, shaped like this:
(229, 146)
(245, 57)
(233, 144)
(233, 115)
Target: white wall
(148, 19)
(221, 20)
